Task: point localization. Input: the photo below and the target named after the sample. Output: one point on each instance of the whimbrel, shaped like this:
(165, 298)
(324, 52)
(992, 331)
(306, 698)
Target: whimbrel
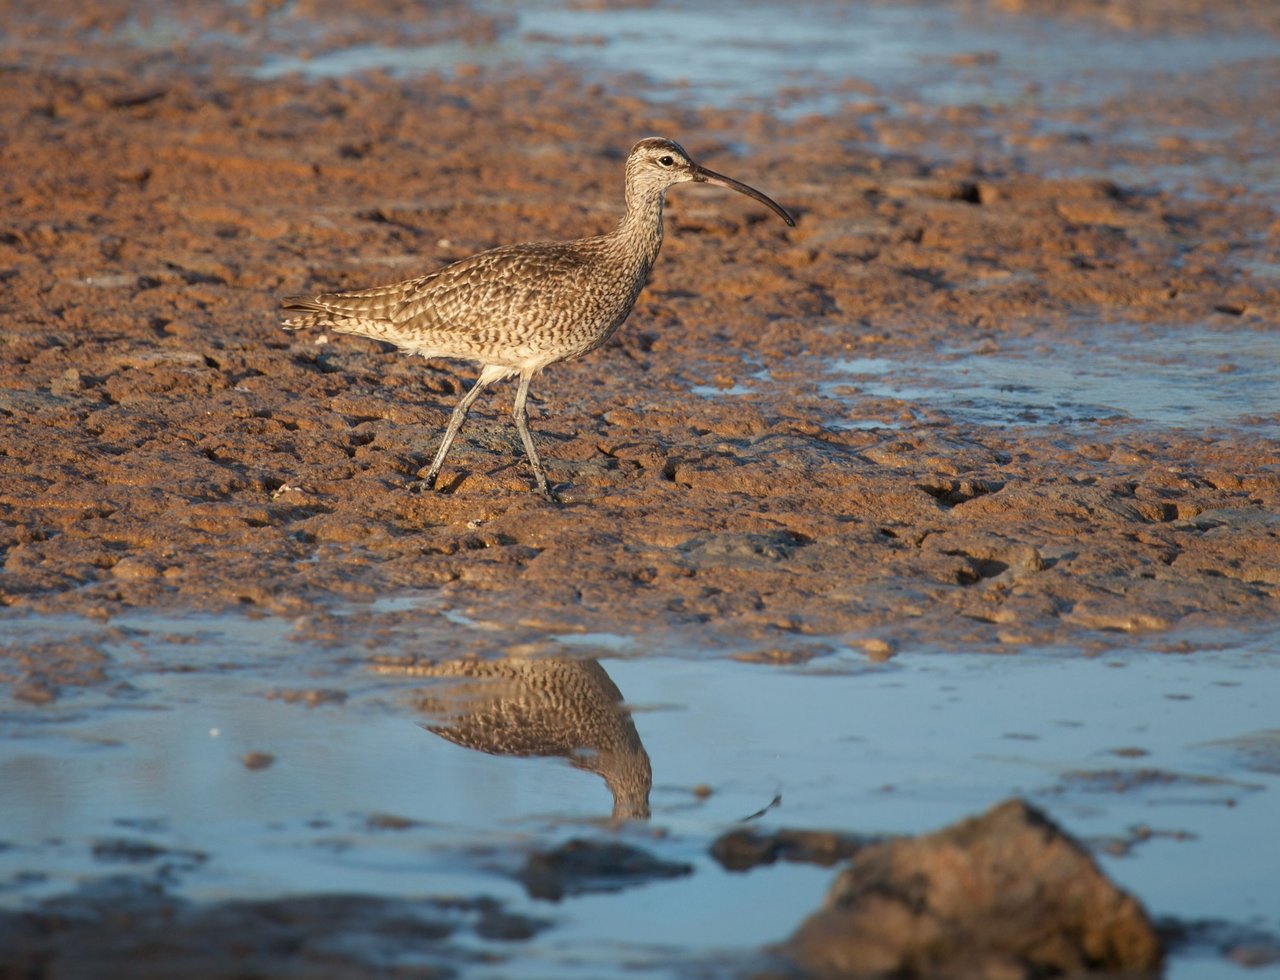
(518, 308)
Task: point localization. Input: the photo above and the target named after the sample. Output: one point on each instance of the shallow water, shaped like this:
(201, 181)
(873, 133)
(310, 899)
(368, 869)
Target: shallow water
(714, 53)
(1175, 378)
(1181, 742)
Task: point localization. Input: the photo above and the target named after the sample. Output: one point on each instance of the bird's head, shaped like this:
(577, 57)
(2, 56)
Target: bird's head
(655, 164)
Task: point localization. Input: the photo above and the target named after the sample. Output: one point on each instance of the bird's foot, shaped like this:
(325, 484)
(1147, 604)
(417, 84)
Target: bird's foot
(425, 485)
(547, 494)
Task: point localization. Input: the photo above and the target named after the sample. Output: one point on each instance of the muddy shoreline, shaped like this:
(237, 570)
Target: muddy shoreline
(167, 445)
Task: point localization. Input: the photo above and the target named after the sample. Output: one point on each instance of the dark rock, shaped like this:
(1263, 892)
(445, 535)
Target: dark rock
(581, 866)
(1005, 895)
(135, 851)
(311, 698)
(128, 927)
(389, 821)
(257, 760)
(1245, 945)
(741, 850)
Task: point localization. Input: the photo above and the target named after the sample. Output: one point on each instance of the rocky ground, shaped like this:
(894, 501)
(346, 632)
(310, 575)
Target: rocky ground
(166, 444)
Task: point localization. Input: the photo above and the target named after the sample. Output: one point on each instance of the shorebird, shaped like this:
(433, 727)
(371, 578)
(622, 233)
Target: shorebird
(516, 309)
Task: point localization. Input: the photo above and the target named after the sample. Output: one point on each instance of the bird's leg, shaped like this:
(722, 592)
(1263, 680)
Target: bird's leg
(451, 430)
(522, 424)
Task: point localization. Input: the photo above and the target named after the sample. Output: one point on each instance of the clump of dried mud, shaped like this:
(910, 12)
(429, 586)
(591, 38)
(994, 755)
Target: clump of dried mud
(166, 444)
(1007, 894)
(128, 926)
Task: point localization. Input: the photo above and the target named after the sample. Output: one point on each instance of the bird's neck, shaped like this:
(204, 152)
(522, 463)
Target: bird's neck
(640, 230)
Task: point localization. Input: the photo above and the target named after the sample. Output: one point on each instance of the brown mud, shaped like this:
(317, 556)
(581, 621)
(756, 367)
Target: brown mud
(166, 444)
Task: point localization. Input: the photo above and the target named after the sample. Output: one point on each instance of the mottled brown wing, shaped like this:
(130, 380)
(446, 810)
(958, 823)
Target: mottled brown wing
(513, 289)
(511, 305)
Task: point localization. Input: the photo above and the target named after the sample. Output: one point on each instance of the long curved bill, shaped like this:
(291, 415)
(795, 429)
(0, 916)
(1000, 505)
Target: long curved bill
(706, 176)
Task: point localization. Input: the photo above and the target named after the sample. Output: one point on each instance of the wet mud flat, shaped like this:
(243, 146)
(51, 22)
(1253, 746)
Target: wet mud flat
(1009, 386)
(167, 444)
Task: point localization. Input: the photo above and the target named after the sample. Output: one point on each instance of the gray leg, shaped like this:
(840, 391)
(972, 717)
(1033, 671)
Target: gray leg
(451, 430)
(518, 410)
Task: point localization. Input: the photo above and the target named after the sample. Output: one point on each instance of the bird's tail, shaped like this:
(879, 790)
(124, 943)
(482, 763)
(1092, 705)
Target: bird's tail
(306, 313)
(351, 312)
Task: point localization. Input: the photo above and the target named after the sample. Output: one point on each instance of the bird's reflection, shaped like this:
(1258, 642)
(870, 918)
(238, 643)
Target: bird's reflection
(543, 707)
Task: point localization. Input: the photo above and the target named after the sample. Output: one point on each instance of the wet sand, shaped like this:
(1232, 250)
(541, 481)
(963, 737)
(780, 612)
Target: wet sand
(738, 477)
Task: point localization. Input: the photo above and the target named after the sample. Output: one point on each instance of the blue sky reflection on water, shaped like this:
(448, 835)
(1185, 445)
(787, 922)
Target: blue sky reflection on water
(1180, 377)
(904, 747)
(719, 54)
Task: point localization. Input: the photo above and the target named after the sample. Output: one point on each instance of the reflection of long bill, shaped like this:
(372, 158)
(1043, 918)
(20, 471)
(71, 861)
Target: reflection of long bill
(703, 175)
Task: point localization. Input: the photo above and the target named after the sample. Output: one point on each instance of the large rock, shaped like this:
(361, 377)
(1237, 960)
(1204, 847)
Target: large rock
(1006, 895)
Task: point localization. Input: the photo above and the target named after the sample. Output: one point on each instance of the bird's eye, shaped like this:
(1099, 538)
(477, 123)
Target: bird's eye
(667, 161)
